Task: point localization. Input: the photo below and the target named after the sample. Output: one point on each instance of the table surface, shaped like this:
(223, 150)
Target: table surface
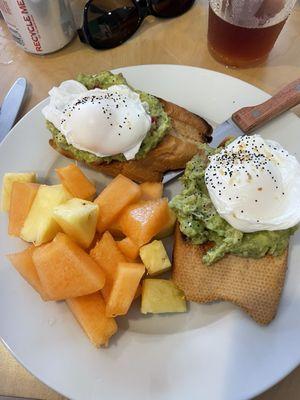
(175, 41)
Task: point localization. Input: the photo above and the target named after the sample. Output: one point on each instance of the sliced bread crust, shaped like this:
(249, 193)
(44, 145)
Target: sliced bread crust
(255, 285)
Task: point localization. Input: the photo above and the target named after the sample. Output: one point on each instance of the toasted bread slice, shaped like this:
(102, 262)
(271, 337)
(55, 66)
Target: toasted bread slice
(255, 285)
(172, 153)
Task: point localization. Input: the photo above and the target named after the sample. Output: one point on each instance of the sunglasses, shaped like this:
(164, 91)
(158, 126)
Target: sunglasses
(109, 23)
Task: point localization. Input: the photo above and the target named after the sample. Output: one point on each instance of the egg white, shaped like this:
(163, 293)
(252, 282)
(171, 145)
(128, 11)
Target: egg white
(254, 185)
(104, 122)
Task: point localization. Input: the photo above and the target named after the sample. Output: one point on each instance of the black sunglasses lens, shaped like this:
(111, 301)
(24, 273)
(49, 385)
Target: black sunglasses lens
(170, 8)
(111, 22)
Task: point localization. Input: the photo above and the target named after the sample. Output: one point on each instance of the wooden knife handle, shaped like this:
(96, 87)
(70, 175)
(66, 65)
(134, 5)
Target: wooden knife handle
(250, 118)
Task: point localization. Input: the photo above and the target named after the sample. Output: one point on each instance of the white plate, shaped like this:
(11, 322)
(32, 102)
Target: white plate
(212, 352)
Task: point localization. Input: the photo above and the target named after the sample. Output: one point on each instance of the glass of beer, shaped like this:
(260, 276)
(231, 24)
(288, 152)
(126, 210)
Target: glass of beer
(241, 33)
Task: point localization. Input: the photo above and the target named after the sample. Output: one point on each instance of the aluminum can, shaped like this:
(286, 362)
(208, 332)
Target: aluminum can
(39, 26)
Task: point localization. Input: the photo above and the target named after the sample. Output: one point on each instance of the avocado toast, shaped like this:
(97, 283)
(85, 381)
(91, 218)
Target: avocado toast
(172, 140)
(243, 261)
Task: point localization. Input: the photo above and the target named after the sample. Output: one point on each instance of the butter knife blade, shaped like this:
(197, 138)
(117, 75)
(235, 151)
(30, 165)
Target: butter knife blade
(11, 106)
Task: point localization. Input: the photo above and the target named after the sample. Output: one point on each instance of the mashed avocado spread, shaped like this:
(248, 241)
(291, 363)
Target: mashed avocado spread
(200, 222)
(160, 121)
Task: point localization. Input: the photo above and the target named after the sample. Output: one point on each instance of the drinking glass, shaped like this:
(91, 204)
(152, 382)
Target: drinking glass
(242, 33)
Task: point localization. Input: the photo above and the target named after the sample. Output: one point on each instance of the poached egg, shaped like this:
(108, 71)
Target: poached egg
(254, 185)
(104, 122)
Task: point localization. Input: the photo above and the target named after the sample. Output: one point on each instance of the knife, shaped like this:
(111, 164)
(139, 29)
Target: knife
(11, 106)
(248, 119)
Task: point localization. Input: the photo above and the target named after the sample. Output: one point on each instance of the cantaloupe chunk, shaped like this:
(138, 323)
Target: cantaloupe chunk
(151, 190)
(78, 219)
(143, 220)
(129, 248)
(107, 254)
(114, 198)
(89, 311)
(124, 288)
(95, 240)
(8, 179)
(138, 292)
(65, 270)
(115, 229)
(24, 265)
(76, 182)
(168, 229)
(40, 226)
(21, 199)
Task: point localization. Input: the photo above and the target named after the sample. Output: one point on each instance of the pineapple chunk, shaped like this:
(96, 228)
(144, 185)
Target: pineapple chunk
(8, 180)
(40, 226)
(161, 296)
(78, 219)
(155, 257)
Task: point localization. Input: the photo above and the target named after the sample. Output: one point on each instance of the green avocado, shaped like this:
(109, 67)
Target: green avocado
(161, 122)
(200, 222)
